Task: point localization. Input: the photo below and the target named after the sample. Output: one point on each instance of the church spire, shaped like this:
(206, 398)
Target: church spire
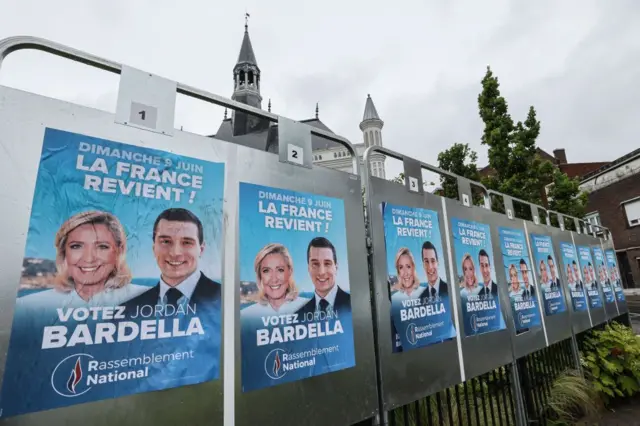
(246, 56)
(370, 112)
(246, 73)
(246, 86)
(371, 127)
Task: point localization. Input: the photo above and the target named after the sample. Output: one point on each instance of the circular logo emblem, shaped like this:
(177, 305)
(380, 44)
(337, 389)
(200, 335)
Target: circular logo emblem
(411, 333)
(69, 377)
(273, 364)
(474, 323)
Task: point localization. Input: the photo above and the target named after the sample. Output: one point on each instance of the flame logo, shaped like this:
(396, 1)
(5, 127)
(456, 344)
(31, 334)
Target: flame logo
(413, 334)
(277, 364)
(75, 377)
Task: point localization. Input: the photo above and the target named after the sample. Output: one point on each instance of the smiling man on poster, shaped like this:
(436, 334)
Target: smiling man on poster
(188, 298)
(322, 264)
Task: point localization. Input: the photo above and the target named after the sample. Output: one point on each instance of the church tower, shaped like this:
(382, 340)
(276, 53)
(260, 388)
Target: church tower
(371, 127)
(246, 88)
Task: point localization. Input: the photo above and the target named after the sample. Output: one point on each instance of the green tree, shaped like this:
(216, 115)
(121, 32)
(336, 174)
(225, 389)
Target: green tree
(461, 160)
(565, 195)
(517, 169)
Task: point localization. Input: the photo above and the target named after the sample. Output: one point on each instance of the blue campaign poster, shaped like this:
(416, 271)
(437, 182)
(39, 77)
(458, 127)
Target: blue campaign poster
(517, 268)
(574, 280)
(602, 276)
(420, 304)
(295, 299)
(589, 277)
(476, 277)
(548, 278)
(120, 291)
(614, 274)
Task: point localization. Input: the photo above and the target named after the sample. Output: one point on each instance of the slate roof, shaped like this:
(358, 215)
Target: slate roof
(246, 55)
(267, 139)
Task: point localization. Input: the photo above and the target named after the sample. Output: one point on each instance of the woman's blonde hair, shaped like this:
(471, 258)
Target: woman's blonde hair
(463, 283)
(513, 267)
(121, 274)
(274, 248)
(404, 251)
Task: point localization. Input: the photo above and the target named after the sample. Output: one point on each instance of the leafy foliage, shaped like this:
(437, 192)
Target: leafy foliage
(565, 195)
(611, 359)
(461, 160)
(517, 169)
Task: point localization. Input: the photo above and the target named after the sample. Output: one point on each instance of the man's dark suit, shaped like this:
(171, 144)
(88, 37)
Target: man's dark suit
(205, 294)
(342, 303)
(555, 283)
(485, 290)
(442, 289)
(531, 290)
(579, 284)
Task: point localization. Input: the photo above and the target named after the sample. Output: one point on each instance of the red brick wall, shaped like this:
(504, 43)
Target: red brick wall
(607, 202)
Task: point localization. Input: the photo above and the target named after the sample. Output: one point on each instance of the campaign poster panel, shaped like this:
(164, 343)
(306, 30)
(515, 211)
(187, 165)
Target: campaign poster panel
(420, 308)
(589, 277)
(614, 274)
(601, 275)
(574, 280)
(517, 269)
(476, 276)
(295, 301)
(121, 285)
(548, 275)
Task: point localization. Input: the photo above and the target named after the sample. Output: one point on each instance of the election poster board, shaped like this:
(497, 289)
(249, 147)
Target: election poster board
(476, 277)
(548, 274)
(295, 302)
(589, 277)
(121, 285)
(420, 304)
(601, 275)
(522, 290)
(574, 280)
(614, 274)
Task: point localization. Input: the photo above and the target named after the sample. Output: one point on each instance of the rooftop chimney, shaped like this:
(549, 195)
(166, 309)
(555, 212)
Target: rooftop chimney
(560, 155)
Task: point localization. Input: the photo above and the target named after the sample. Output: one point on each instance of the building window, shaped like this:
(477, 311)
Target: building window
(366, 139)
(593, 218)
(377, 138)
(632, 210)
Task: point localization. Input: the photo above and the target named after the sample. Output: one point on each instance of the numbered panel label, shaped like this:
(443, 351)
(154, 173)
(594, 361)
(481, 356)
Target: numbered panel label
(295, 154)
(413, 184)
(143, 115)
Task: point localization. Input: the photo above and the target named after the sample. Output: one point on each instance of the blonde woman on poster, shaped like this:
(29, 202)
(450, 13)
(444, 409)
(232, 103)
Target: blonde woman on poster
(277, 290)
(91, 266)
(408, 286)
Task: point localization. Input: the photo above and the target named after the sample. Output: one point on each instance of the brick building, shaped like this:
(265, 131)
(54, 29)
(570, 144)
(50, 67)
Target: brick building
(614, 202)
(559, 159)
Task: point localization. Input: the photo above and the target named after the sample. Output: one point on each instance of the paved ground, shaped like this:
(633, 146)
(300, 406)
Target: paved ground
(625, 414)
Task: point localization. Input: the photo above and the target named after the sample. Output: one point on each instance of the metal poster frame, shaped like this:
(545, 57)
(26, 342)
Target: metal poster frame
(23, 120)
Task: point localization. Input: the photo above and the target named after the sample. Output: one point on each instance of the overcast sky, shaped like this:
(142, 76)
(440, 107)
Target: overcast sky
(577, 62)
